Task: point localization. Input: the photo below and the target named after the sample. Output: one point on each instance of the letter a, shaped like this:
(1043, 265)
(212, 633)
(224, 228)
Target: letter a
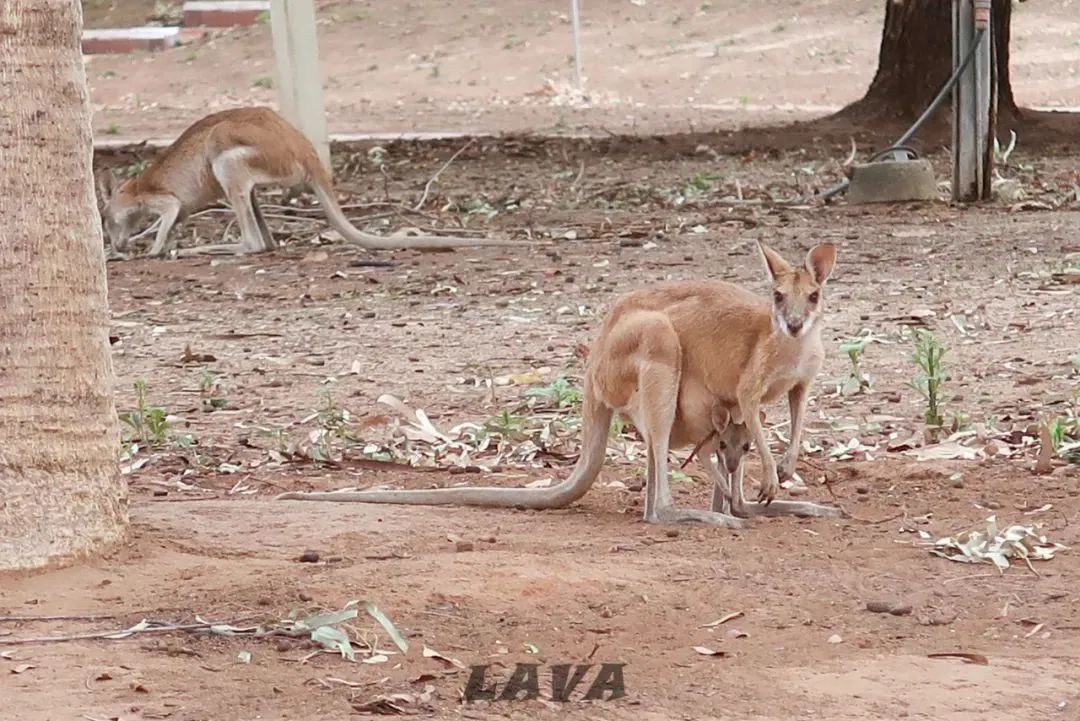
(608, 679)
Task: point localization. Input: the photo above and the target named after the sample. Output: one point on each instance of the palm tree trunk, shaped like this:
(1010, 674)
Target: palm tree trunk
(61, 494)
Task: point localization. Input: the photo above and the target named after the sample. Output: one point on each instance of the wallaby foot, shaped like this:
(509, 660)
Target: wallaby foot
(671, 514)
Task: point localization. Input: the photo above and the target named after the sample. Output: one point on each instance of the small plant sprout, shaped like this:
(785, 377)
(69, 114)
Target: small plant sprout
(857, 381)
(210, 390)
(149, 425)
(559, 394)
(928, 356)
(334, 427)
(1001, 155)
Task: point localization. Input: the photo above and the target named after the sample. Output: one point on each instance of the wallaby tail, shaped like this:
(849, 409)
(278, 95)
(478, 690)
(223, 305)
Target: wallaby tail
(587, 468)
(323, 189)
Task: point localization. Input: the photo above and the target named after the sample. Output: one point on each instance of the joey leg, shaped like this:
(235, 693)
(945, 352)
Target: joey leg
(797, 397)
(721, 481)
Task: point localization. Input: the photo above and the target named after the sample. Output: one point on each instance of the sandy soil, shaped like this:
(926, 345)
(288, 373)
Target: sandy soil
(591, 583)
(254, 358)
(475, 66)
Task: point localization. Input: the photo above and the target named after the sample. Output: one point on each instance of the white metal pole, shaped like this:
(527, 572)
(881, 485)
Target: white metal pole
(300, 87)
(575, 29)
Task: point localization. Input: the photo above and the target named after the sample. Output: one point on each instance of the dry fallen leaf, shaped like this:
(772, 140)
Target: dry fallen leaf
(706, 651)
(22, 668)
(835, 638)
(1046, 450)
(432, 653)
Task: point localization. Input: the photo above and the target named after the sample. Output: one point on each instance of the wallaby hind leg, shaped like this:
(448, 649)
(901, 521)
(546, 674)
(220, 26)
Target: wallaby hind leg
(268, 238)
(657, 399)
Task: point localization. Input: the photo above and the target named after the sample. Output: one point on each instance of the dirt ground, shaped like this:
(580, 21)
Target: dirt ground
(475, 66)
(265, 365)
(241, 352)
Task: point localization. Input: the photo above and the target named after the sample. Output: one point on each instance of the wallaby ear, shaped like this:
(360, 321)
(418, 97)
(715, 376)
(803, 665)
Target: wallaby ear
(721, 417)
(774, 263)
(820, 261)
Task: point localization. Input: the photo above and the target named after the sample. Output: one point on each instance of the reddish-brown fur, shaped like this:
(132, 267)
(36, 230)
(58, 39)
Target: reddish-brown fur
(228, 155)
(680, 359)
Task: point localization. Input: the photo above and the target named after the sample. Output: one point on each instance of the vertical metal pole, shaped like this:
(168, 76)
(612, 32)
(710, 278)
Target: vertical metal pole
(575, 29)
(300, 87)
(972, 144)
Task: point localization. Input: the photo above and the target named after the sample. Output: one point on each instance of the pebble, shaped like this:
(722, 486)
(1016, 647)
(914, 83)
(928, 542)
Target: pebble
(671, 533)
(891, 607)
(309, 557)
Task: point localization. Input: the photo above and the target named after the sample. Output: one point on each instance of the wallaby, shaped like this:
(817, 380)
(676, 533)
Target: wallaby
(229, 155)
(728, 443)
(665, 357)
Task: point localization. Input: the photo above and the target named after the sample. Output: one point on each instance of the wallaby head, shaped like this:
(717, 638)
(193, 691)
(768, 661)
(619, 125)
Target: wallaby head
(798, 293)
(733, 438)
(122, 209)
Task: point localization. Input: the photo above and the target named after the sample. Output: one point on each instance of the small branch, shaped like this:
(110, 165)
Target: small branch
(427, 187)
(87, 617)
(101, 634)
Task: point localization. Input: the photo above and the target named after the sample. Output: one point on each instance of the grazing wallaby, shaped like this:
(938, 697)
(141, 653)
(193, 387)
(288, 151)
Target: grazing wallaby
(665, 357)
(228, 155)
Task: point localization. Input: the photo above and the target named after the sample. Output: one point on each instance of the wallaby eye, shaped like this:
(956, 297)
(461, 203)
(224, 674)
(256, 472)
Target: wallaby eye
(814, 297)
(778, 296)
(723, 446)
(745, 447)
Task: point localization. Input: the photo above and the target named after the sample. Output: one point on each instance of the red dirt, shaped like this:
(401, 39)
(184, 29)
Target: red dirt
(592, 581)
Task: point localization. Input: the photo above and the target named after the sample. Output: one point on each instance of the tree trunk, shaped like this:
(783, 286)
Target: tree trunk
(915, 60)
(61, 494)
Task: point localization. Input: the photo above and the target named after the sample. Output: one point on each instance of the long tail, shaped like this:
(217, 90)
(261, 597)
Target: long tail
(593, 448)
(323, 189)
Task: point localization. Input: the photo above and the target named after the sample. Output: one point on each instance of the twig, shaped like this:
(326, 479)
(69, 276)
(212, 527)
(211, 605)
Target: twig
(102, 634)
(427, 187)
(581, 172)
(87, 617)
(947, 581)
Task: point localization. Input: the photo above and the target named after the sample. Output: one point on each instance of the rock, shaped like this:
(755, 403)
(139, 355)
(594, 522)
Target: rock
(879, 606)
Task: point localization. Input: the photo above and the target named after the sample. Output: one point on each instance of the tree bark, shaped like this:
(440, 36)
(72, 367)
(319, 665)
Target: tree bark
(61, 493)
(915, 60)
